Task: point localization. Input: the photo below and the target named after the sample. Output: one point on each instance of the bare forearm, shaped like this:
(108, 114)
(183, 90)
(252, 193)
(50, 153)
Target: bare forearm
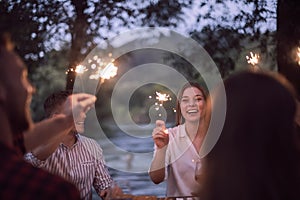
(47, 131)
(42, 152)
(157, 168)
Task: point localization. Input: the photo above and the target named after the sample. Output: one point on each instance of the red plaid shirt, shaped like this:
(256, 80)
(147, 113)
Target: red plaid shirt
(19, 180)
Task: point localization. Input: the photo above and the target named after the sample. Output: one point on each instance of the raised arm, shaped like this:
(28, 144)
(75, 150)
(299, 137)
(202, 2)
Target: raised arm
(161, 140)
(51, 130)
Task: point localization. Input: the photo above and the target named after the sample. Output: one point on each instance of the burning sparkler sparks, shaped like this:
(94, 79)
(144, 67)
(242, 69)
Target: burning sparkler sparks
(162, 97)
(253, 59)
(100, 67)
(80, 69)
(106, 73)
(159, 111)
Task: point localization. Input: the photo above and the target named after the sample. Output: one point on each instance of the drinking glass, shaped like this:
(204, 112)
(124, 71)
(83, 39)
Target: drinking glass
(198, 171)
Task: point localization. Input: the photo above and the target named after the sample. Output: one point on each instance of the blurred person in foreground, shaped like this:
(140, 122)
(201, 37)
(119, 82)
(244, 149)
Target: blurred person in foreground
(177, 149)
(298, 121)
(74, 157)
(255, 156)
(18, 179)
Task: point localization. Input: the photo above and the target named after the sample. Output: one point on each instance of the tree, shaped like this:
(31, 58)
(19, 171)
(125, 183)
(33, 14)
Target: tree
(288, 40)
(224, 45)
(245, 16)
(231, 27)
(21, 19)
(48, 78)
(79, 23)
(91, 16)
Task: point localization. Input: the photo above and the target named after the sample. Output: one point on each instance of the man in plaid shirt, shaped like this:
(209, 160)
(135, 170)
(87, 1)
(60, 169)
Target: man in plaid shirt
(18, 179)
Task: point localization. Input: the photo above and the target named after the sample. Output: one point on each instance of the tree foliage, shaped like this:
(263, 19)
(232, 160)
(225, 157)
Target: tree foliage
(288, 35)
(245, 16)
(82, 24)
(227, 29)
(21, 20)
(223, 44)
(91, 16)
(48, 78)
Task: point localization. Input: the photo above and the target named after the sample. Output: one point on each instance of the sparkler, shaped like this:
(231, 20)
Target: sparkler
(253, 60)
(158, 109)
(102, 70)
(162, 97)
(107, 72)
(80, 69)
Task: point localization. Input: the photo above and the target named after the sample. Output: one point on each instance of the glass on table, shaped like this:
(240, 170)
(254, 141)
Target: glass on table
(198, 171)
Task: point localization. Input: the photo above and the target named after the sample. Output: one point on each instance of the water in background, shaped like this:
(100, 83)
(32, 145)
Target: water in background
(130, 170)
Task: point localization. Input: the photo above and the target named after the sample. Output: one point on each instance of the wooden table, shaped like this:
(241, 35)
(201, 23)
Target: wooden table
(149, 197)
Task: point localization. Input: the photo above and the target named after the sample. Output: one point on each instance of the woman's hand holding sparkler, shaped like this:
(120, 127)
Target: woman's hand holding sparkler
(160, 134)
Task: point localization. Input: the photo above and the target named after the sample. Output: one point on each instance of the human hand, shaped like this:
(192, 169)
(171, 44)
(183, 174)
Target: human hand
(113, 192)
(77, 105)
(105, 194)
(160, 134)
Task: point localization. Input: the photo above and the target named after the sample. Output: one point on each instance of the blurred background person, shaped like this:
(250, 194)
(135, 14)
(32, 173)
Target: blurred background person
(18, 179)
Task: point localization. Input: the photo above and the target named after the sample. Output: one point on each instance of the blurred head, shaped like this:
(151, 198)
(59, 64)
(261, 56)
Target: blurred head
(255, 156)
(54, 105)
(15, 89)
(191, 102)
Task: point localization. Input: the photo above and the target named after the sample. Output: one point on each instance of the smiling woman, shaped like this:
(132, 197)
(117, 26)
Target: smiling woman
(191, 95)
(177, 149)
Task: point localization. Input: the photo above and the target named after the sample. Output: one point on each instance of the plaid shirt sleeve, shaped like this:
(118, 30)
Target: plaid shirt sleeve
(19, 180)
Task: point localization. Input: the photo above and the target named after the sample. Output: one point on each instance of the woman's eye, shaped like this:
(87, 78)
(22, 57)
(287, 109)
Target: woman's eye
(198, 98)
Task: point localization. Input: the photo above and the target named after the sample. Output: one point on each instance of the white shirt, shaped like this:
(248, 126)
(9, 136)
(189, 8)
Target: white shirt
(82, 164)
(181, 157)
